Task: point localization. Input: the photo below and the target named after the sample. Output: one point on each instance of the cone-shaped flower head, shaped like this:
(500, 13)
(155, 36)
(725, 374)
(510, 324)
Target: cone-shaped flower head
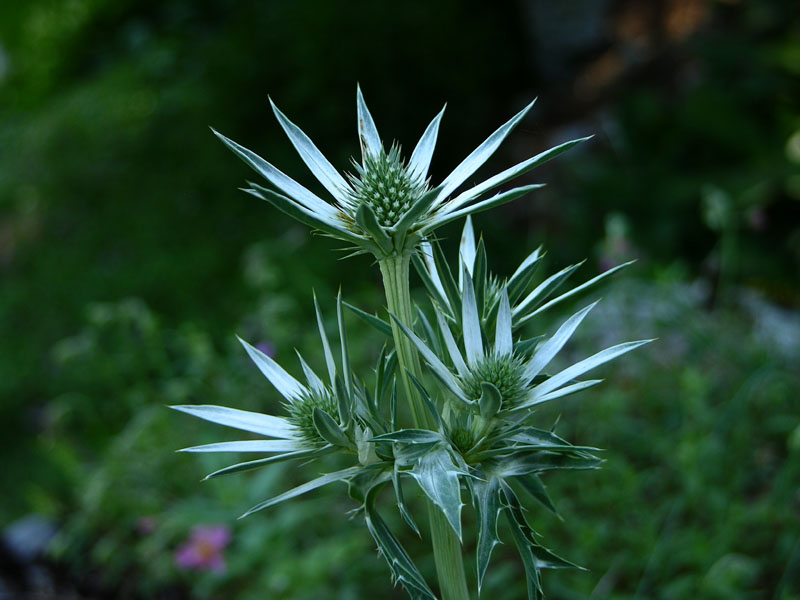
(387, 206)
(320, 415)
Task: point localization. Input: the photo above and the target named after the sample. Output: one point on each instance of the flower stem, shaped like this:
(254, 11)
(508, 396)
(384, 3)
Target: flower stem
(446, 546)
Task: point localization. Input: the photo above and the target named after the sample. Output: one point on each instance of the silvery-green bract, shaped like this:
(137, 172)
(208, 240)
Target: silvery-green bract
(388, 206)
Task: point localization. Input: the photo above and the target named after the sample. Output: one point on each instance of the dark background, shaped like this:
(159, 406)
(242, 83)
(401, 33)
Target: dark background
(128, 260)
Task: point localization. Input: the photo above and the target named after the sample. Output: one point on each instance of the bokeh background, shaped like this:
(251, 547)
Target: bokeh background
(128, 261)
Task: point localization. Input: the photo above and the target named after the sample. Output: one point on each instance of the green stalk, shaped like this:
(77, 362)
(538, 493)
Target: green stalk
(446, 546)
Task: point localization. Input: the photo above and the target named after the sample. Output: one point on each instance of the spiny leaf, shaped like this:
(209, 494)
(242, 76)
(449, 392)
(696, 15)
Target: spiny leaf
(401, 505)
(288, 386)
(522, 276)
(410, 436)
(576, 290)
(532, 575)
(434, 287)
(542, 291)
(496, 200)
(426, 398)
(524, 463)
(447, 280)
(262, 462)
(480, 155)
(367, 132)
(480, 275)
(304, 488)
(487, 503)
(452, 347)
(346, 401)
(513, 172)
(466, 248)
(313, 380)
(323, 170)
(436, 365)
(366, 218)
(547, 351)
(403, 568)
(281, 181)
(437, 475)
(471, 324)
(376, 322)
(326, 347)
(241, 419)
(534, 486)
(419, 208)
(420, 159)
(578, 369)
(249, 446)
(503, 340)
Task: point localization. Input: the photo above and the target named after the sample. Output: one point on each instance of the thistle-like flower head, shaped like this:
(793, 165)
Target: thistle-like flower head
(506, 373)
(388, 206)
(492, 375)
(322, 417)
(386, 186)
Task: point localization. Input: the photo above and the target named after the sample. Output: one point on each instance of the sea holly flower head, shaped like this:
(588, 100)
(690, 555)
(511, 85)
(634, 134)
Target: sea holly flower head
(301, 414)
(386, 186)
(320, 417)
(489, 375)
(388, 206)
(506, 373)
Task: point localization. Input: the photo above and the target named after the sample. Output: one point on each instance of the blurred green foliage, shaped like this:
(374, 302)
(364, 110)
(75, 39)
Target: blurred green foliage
(128, 260)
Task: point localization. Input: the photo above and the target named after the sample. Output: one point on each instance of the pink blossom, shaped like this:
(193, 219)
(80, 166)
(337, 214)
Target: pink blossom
(203, 550)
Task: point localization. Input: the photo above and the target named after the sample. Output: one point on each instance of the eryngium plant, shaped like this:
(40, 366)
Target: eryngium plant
(470, 434)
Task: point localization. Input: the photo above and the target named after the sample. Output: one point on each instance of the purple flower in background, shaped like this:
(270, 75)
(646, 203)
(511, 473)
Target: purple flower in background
(203, 550)
(267, 348)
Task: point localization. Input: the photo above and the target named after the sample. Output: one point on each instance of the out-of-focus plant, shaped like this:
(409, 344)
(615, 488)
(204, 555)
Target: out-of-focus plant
(468, 427)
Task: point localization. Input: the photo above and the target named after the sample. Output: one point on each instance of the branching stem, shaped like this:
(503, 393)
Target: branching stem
(446, 546)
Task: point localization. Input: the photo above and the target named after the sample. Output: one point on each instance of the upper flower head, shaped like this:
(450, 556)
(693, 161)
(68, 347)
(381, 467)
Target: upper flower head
(388, 206)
